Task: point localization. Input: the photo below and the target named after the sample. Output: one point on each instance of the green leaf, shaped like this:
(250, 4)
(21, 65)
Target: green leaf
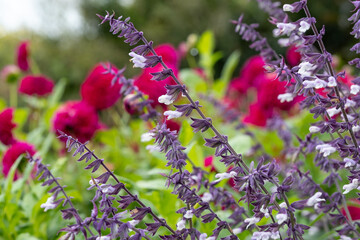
(193, 81)
(58, 92)
(26, 236)
(20, 117)
(156, 184)
(206, 43)
(221, 84)
(241, 143)
(186, 133)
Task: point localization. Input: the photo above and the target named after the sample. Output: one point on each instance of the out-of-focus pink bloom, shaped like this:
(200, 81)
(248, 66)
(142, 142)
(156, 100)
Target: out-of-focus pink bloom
(38, 85)
(253, 71)
(209, 163)
(258, 115)
(293, 57)
(78, 119)
(10, 73)
(22, 56)
(13, 153)
(354, 210)
(97, 90)
(173, 125)
(154, 89)
(6, 126)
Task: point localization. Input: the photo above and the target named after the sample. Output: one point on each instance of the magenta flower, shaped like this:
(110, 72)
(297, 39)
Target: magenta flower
(38, 85)
(13, 153)
(22, 56)
(78, 119)
(97, 89)
(6, 126)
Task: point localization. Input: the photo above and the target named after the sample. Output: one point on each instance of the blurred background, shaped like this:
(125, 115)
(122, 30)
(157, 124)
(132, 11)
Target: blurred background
(66, 40)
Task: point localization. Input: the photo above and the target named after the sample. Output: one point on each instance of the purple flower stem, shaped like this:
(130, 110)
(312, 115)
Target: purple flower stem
(332, 72)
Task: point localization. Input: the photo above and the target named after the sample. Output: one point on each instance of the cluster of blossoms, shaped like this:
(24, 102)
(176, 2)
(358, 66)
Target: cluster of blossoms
(306, 79)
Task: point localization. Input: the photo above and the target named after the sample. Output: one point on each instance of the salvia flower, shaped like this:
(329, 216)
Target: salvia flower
(351, 186)
(22, 56)
(99, 90)
(315, 199)
(6, 126)
(38, 85)
(326, 149)
(138, 60)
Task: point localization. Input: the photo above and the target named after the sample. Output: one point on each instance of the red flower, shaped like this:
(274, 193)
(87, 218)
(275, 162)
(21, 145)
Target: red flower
(258, 115)
(6, 126)
(154, 89)
(22, 56)
(253, 71)
(354, 210)
(293, 57)
(97, 90)
(78, 119)
(209, 162)
(13, 153)
(36, 85)
(173, 125)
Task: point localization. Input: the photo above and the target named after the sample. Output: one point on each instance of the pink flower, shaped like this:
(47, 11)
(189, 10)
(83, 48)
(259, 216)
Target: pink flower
(22, 56)
(36, 85)
(13, 153)
(258, 115)
(78, 119)
(253, 71)
(97, 90)
(6, 126)
(293, 57)
(154, 89)
(209, 163)
(354, 210)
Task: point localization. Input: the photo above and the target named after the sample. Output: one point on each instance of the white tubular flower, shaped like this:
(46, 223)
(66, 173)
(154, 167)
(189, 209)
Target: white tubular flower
(133, 223)
(281, 217)
(286, 97)
(93, 181)
(207, 197)
(350, 103)
(188, 214)
(225, 175)
(265, 211)
(333, 111)
(349, 162)
(282, 205)
(287, 8)
(275, 235)
(351, 186)
(49, 204)
(107, 188)
(211, 238)
(306, 69)
(331, 82)
(284, 42)
(284, 29)
(251, 221)
(317, 83)
(172, 114)
(237, 231)
(314, 129)
(356, 128)
(103, 238)
(166, 99)
(181, 225)
(138, 60)
(202, 236)
(153, 148)
(343, 237)
(304, 26)
(146, 137)
(315, 199)
(354, 89)
(325, 149)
